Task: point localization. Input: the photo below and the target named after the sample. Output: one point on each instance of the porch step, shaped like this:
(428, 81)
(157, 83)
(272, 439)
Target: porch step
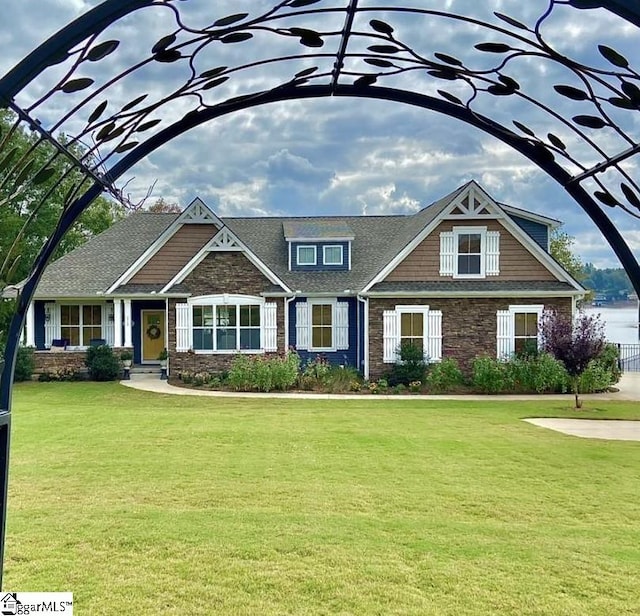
(145, 369)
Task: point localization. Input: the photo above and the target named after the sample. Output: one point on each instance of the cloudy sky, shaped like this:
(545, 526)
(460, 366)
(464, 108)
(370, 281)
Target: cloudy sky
(341, 156)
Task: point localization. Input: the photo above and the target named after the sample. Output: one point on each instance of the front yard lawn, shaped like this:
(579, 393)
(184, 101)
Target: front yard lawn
(149, 504)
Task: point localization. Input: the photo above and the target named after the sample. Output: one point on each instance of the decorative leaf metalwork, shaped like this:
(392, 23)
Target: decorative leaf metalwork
(613, 56)
(102, 50)
(75, 85)
(231, 19)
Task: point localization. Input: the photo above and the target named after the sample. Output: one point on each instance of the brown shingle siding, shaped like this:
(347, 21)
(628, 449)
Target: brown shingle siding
(175, 254)
(516, 262)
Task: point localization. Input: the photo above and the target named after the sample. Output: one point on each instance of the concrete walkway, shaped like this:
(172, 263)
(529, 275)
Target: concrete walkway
(610, 429)
(628, 389)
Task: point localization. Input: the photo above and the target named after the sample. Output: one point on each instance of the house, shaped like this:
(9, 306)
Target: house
(464, 276)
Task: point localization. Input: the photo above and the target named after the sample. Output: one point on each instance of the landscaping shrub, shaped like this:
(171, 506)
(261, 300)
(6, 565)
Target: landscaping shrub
(25, 364)
(596, 378)
(547, 375)
(444, 376)
(610, 359)
(102, 364)
(339, 380)
(410, 367)
(258, 373)
(490, 376)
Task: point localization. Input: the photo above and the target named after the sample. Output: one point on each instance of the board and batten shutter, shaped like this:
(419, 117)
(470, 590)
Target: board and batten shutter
(302, 326)
(183, 327)
(270, 326)
(51, 323)
(447, 254)
(492, 264)
(433, 346)
(107, 324)
(504, 342)
(389, 336)
(342, 326)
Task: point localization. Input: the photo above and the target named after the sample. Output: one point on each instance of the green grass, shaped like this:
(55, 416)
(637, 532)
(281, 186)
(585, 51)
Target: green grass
(152, 504)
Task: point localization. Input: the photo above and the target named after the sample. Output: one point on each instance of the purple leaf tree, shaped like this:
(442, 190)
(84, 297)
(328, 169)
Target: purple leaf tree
(573, 342)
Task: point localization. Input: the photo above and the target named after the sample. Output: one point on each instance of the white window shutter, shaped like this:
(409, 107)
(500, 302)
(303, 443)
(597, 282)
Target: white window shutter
(505, 343)
(342, 326)
(183, 327)
(492, 264)
(433, 339)
(302, 326)
(447, 254)
(270, 327)
(107, 323)
(390, 339)
(51, 323)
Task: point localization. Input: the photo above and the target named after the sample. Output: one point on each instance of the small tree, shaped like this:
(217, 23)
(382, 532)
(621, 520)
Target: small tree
(574, 343)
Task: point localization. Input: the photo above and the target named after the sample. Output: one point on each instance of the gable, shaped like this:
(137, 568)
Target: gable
(174, 254)
(422, 264)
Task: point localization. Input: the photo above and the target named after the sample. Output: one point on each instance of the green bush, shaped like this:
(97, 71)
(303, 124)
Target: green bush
(444, 376)
(340, 380)
(103, 365)
(25, 364)
(258, 373)
(548, 375)
(610, 359)
(596, 378)
(490, 376)
(410, 367)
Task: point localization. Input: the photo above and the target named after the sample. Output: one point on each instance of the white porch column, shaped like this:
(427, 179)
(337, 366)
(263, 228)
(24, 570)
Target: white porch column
(117, 323)
(128, 324)
(30, 327)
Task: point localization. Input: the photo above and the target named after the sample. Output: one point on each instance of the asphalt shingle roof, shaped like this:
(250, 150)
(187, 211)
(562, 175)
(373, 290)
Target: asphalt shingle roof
(95, 266)
(472, 286)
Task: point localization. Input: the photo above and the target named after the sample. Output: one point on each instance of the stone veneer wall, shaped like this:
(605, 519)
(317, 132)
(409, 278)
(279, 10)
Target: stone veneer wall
(220, 272)
(469, 325)
(48, 361)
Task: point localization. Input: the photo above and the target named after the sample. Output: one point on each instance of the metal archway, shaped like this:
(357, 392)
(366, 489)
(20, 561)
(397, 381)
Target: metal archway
(319, 48)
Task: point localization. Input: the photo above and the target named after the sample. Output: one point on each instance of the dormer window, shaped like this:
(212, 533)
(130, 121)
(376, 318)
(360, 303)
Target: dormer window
(307, 255)
(470, 252)
(332, 255)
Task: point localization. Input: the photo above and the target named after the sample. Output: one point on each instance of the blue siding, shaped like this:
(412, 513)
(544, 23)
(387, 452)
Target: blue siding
(319, 266)
(538, 232)
(38, 313)
(136, 333)
(348, 356)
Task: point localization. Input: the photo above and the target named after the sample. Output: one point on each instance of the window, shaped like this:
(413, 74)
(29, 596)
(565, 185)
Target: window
(321, 326)
(517, 329)
(79, 324)
(332, 255)
(412, 329)
(469, 254)
(226, 324)
(228, 327)
(415, 325)
(307, 255)
(525, 332)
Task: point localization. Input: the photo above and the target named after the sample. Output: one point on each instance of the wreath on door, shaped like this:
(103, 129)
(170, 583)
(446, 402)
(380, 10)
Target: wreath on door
(153, 332)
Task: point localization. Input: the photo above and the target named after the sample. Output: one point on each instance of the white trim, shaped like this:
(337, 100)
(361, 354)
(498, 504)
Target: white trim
(117, 323)
(128, 324)
(365, 343)
(538, 252)
(315, 255)
(30, 327)
(532, 294)
(192, 214)
(324, 254)
(469, 230)
(319, 240)
(314, 301)
(505, 327)
(533, 216)
(212, 247)
(228, 299)
(431, 332)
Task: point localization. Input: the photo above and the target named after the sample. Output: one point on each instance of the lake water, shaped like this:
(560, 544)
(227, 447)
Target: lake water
(620, 324)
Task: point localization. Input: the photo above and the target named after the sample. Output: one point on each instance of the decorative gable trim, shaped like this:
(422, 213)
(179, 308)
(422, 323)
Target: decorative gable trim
(473, 199)
(224, 241)
(197, 212)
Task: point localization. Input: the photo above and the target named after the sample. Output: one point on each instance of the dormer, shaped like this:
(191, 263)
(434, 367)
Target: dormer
(318, 245)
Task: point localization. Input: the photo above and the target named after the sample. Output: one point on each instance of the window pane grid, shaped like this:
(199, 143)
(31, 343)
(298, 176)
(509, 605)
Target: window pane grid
(469, 253)
(322, 326)
(80, 323)
(226, 328)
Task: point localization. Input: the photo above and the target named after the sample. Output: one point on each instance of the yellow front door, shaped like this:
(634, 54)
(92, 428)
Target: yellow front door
(153, 334)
